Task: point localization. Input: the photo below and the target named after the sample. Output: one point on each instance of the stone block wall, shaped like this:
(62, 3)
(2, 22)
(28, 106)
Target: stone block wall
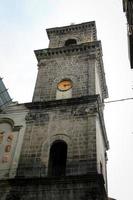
(81, 187)
(82, 33)
(68, 123)
(80, 69)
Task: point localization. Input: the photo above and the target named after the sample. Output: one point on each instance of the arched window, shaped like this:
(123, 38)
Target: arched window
(70, 42)
(57, 159)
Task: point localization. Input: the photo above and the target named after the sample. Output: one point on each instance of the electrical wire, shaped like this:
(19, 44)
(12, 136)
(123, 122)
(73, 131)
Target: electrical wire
(117, 100)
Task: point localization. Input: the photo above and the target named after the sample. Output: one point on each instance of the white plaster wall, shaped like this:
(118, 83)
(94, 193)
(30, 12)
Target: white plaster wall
(64, 94)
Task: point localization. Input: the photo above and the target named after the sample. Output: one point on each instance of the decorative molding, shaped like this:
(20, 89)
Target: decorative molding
(90, 47)
(72, 28)
(36, 116)
(91, 109)
(7, 120)
(11, 122)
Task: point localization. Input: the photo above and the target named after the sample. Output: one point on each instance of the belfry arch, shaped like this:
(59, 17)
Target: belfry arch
(70, 42)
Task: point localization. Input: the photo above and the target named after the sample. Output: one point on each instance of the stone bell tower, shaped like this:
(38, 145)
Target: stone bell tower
(63, 155)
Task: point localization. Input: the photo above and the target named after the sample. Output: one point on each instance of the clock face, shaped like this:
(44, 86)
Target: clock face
(64, 85)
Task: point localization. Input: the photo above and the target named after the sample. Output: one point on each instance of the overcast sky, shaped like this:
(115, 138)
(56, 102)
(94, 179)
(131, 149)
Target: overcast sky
(23, 25)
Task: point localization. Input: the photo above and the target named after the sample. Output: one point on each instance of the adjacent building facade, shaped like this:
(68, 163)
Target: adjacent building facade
(128, 9)
(54, 147)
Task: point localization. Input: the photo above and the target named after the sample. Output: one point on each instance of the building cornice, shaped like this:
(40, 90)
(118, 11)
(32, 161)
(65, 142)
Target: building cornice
(61, 102)
(71, 28)
(48, 53)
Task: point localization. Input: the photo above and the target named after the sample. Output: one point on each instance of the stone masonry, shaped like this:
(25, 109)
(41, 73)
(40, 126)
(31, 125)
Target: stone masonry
(63, 155)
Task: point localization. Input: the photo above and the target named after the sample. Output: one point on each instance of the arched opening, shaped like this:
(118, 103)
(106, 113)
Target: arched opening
(70, 42)
(57, 159)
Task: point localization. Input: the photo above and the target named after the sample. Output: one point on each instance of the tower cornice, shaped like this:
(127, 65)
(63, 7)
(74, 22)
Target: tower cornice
(71, 28)
(90, 47)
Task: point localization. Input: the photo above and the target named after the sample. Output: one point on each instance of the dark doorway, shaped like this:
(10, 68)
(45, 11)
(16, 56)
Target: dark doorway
(57, 159)
(70, 42)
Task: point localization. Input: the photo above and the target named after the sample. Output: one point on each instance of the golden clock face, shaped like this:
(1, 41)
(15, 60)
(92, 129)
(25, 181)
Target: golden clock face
(64, 85)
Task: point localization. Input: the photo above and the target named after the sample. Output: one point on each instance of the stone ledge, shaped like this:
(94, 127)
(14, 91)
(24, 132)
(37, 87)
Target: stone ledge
(90, 47)
(63, 102)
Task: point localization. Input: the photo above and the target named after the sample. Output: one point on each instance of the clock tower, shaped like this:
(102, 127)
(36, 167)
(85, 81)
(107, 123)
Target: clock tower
(63, 155)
